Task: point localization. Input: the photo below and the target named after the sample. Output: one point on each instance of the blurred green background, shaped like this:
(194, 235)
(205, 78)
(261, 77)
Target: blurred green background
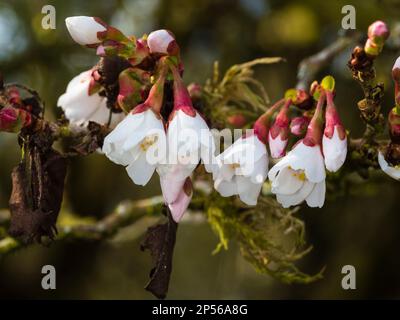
(360, 228)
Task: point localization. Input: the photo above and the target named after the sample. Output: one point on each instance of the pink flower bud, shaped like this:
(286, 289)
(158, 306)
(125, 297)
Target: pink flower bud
(261, 126)
(237, 120)
(182, 100)
(298, 125)
(334, 141)
(279, 133)
(378, 32)
(162, 41)
(13, 120)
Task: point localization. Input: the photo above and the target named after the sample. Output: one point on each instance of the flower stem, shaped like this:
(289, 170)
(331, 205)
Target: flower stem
(314, 131)
(156, 95)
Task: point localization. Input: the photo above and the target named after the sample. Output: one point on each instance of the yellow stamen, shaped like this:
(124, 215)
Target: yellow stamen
(148, 142)
(234, 165)
(299, 174)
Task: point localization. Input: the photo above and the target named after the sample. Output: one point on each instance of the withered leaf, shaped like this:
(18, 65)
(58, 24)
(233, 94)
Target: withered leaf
(160, 241)
(38, 186)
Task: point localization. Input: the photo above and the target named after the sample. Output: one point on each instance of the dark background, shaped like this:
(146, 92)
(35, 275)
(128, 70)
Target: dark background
(360, 228)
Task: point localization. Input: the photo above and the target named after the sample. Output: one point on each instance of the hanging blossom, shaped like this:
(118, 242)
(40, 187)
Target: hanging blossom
(334, 140)
(278, 136)
(82, 103)
(189, 141)
(389, 159)
(138, 142)
(300, 175)
(242, 168)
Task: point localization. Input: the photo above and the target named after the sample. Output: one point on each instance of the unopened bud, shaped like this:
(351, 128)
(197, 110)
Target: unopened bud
(378, 32)
(162, 41)
(13, 120)
(237, 120)
(298, 125)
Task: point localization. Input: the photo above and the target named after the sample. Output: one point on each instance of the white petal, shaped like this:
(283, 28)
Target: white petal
(248, 191)
(184, 141)
(113, 142)
(295, 198)
(309, 159)
(286, 182)
(84, 29)
(259, 174)
(159, 40)
(244, 150)
(335, 151)
(150, 125)
(170, 187)
(225, 188)
(179, 206)
(277, 146)
(317, 196)
(393, 172)
(78, 106)
(140, 171)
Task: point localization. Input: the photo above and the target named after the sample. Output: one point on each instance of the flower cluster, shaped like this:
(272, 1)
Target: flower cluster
(300, 175)
(149, 135)
(157, 128)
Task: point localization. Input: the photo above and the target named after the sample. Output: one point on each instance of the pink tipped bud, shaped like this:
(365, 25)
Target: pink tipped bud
(182, 100)
(279, 133)
(162, 41)
(332, 119)
(334, 141)
(237, 120)
(13, 120)
(298, 125)
(378, 32)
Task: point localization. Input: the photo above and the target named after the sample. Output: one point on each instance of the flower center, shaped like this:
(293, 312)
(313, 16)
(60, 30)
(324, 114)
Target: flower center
(148, 142)
(298, 174)
(234, 166)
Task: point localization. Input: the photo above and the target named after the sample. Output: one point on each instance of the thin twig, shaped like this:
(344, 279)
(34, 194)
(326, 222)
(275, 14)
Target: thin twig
(309, 67)
(125, 214)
